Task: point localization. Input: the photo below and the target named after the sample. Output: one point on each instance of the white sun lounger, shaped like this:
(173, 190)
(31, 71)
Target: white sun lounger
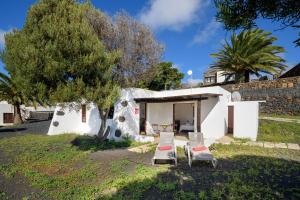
(166, 139)
(197, 140)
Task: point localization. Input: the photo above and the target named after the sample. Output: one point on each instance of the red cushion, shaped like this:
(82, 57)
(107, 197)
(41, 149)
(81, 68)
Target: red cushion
(162, 148)
(199, 148)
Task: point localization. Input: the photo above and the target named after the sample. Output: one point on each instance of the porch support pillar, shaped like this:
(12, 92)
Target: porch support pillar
(198, 116)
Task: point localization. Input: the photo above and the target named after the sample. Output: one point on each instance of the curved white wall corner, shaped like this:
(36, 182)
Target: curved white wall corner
(71, 121)
(130, 127)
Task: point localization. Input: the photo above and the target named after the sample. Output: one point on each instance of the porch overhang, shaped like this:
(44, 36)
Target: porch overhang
(162, 99)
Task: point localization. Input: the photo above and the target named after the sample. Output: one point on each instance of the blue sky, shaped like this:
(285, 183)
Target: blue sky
(187, 28)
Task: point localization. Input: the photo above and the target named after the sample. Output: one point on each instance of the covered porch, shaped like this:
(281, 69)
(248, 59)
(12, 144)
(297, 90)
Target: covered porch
(179, 114)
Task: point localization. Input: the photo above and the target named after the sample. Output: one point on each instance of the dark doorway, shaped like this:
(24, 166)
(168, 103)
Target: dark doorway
(230, 119)
(199, 116)
(143, 117)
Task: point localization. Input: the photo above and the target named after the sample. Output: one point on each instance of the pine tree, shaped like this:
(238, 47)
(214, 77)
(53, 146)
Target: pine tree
(57, 57)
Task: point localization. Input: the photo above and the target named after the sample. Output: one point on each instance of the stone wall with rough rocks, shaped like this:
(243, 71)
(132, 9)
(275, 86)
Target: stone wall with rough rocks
(282, 95)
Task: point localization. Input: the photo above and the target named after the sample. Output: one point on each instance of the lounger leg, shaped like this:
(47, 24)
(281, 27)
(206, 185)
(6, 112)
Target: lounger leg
(214, 162)
(153, 161)
(189, 156)
(175, 160)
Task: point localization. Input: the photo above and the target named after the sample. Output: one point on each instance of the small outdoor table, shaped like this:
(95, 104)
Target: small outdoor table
(165, 126)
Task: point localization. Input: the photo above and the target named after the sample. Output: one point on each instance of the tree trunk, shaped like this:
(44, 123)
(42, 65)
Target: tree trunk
(17, 114)
(239, 77)
(247, 76)
(242, 77)
(103, 116)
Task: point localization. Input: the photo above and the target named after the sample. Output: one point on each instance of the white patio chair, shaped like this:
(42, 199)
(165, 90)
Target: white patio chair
(166, 149)
(196, 150)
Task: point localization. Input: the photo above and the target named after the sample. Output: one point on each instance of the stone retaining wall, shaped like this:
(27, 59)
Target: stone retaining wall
(282, 96)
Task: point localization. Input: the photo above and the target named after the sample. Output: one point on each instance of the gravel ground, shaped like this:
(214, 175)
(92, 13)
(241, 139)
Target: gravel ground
(29, 127)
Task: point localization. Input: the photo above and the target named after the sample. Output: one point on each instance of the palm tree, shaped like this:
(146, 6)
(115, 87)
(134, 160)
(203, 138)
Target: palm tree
(10, 93)
(250, 52)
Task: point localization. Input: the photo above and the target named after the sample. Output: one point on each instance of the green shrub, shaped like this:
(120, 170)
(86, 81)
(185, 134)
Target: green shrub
(89, 143)
(182, 195)
(165, 186)
(202, 195)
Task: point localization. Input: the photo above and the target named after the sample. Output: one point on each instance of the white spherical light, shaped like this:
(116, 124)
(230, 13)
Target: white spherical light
(190, 72)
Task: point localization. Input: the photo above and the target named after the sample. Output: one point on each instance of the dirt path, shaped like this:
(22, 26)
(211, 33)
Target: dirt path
(109, 156)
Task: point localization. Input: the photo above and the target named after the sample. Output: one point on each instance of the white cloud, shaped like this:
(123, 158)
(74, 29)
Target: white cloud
(171, 14)
(205, 34)
(2, 40)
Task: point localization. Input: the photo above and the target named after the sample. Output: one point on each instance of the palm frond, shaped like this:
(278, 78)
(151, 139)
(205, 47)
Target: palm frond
(250, 51)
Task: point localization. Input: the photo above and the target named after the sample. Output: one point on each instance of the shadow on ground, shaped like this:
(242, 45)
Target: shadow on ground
(8, 130)
(125, 174)
(239, 177)
(90, 143)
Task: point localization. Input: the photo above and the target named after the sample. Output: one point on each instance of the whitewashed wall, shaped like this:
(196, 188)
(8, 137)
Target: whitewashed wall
(131, 124)
(71, 121)
(245, 119)
(214, 117)
(213, 114)
(130, 127)
(5, 108)
(159, 113)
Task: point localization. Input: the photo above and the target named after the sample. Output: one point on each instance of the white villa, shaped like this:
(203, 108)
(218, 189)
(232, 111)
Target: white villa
(7, 112)
(215, 76)
(141, 114)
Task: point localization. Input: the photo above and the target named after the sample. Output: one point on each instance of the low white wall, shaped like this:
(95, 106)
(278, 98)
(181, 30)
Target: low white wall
(214, 117)
(71, 121)
(5, 108)
(39, 108)
(245, 119)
